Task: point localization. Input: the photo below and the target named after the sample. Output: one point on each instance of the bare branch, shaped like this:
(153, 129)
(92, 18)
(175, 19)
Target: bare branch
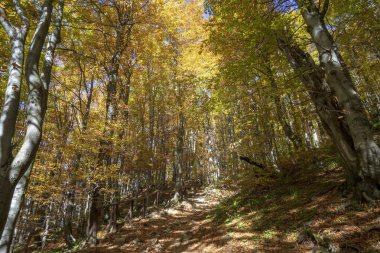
(20, 11)
(250, 161)
(8, 27)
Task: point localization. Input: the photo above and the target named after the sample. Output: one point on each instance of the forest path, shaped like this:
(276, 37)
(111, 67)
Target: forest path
(184, 228)
(302, 213)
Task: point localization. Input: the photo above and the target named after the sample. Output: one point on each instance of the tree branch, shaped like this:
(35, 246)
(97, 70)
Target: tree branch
(35, 112)
(325, 8)
(248, 160)
(20, 11)
(53, 40)
(8, 27)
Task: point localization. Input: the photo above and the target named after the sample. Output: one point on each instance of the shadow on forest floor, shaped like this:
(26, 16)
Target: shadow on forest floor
(184, 228)
(301, 212)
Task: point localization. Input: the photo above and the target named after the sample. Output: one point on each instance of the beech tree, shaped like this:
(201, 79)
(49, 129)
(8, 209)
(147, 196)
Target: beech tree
(364, 162)
(149, 100)
(15, 169)
(276, 25)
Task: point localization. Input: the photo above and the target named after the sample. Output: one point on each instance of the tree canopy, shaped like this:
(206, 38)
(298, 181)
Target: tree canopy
(113, 106)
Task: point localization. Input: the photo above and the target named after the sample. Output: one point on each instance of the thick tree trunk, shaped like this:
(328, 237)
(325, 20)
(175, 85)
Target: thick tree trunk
(326, 107)
(311, 76)
(14, 169)
(114, 213)
(114, 207)
(19, 168)
(353, 114)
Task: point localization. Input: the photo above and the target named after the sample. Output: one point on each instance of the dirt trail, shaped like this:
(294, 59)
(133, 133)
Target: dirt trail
(305, 214)
(185, 228)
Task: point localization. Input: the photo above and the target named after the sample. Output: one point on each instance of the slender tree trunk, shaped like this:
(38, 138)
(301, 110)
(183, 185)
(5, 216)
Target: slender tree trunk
(45, 233)
(69, 202)
(281, 113)
(18, 198)
(67, 219)
(123, 30)
(178, 164)
(94, 217)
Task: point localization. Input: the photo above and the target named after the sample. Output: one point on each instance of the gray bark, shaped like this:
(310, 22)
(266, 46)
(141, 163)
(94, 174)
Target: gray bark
(45, 233)
(95, 215)
(17, 36)
(311, 76)
(69, 202)
(18, 198)
(180, 148)
(340, 82)
(15, 168)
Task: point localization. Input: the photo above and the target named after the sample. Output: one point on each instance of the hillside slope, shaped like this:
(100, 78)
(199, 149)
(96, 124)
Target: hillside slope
(301, 212)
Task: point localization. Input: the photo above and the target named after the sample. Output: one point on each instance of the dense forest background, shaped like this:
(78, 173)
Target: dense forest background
(150, 99)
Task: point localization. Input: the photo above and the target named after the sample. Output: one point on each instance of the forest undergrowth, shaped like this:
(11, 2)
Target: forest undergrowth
(189, 126)
(302, 210)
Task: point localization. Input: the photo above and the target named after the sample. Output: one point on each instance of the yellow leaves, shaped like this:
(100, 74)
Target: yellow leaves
(168, 58)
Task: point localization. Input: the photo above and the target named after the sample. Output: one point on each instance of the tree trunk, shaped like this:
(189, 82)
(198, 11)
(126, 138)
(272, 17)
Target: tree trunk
(45, 233)
(10, 109)
(312, 77)
(178, 164)
(114, 211)
(281, 113)
(18, 197)
(67, 219)
(94, 217)
(338, 78)
(123, 31)
(14, 169)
